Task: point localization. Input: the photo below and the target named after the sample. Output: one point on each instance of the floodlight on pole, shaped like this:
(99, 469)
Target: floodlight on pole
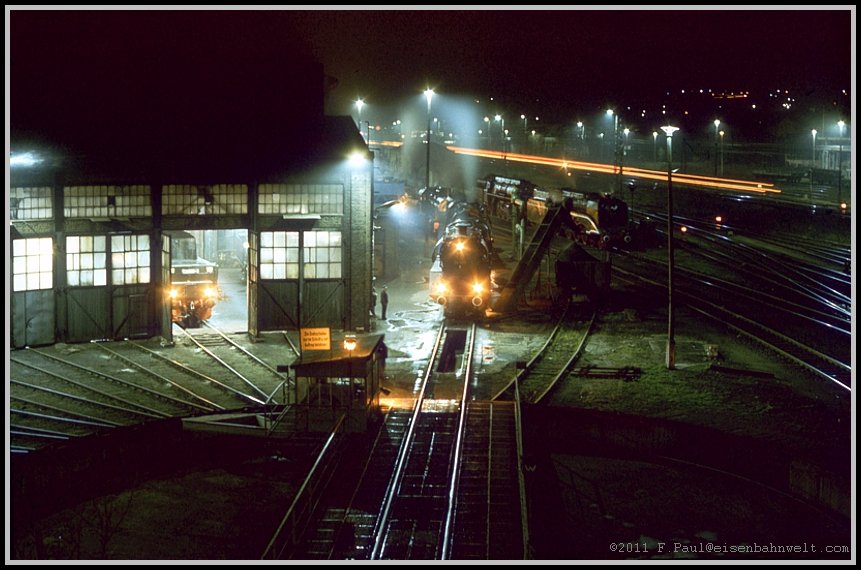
(429, 93)
(671, 340)
(717, 125)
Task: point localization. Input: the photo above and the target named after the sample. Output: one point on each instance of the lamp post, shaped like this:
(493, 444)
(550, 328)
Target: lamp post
(501, 120)
(671, 340)
(429, 93)
(841, 125)
(622, 156)
(525, 128)
(350, 344)
(721, 152)
(716, 124)
(813, 163)
(368, 123)
(655, 139)
(617, 159)
(489, 138)
(360, 103)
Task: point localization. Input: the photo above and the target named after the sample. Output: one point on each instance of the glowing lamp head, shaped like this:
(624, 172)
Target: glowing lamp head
(357, 159)
(459, 246)
(477, 288)
(668, 130)
(350, 343)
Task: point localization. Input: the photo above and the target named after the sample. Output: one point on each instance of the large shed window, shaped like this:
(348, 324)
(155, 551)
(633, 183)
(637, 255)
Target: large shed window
(322, 255)
(279, 255)
(31, 204)
(86, 261)
(130, 261)
(301, 199)
(107, 201)
(32, 264)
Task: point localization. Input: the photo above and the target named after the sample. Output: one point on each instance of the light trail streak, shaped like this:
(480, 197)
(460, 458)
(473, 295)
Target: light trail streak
(693, 179)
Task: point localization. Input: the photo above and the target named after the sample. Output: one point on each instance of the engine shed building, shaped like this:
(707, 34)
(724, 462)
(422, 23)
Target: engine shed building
(97, 177)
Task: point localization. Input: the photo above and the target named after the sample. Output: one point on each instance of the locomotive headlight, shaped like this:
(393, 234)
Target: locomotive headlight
(459, 246)
(174, 293)
(477, 288)
(209, 292)
(441, 289)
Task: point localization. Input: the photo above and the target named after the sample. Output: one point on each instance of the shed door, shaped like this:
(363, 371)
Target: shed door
(162, 293)
(33, 319)
(253, 281)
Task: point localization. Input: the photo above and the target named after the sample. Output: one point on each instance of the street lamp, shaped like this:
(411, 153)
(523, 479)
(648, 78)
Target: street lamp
(501, 129)
(813, 134)
(617, 155)
(525, 128)
(671, 340)
(360, 103)
(841, 125)
(429, 93)
(721, 152)
(655, 139)
(716, 124)
(813, 166)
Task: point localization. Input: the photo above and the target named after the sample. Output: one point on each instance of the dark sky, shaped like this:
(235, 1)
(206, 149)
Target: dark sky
(566, 58)
(581, 56)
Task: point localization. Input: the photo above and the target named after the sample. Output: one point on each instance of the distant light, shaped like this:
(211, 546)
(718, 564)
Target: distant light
(718, 219)
(497, 118)
(357, 159)
(24, 160)
(359, 104)
(683, 229)
(533, 132)
(717, 123)
(580, 124)
(609, 112)
(626, 130)
(429, 93)
(842, 205)
(669, 130)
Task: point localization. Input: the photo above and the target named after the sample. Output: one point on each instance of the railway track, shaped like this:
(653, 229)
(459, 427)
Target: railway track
(821, 365)
(553, 361)
(59, 394)
(440, 480)
(54, 398)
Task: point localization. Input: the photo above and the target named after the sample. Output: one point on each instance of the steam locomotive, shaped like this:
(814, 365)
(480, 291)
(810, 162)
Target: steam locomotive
(600, 220)
(193, 281)
(462, 260)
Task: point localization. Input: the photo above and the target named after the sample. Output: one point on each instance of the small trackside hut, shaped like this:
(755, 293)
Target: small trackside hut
(340, 381)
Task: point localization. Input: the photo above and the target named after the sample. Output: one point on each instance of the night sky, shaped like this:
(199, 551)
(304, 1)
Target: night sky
(555, 60)
(578, 57)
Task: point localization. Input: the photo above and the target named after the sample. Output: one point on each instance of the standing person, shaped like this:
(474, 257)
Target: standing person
(384, 301)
